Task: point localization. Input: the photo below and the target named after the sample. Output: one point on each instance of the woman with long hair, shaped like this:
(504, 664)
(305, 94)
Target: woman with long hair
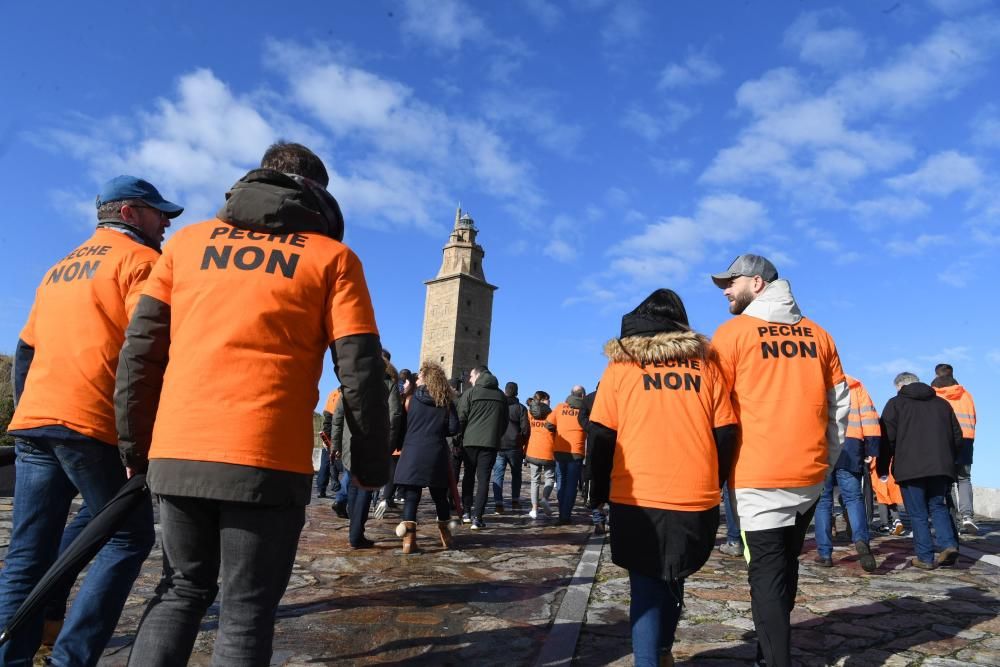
(425, 456)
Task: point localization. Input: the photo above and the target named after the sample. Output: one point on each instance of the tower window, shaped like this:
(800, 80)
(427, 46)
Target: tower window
(442, 358)
(479, 333)
(466, 328)
(468, 302)
(477, 357)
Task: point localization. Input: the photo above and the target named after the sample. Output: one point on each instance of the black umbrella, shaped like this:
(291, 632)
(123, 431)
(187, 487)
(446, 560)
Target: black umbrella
(103, 525)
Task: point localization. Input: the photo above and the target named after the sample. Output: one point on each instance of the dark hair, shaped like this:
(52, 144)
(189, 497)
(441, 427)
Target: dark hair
(405, 374)
(510, 389)
(293, 158)
(112, 210)
(541, 395)
(943, 369)
(387, 354)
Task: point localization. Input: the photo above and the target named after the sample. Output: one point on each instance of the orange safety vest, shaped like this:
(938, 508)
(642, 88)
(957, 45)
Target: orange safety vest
(570, 438)
(243, 374)
(780, 376)
(77, 327)
(862, 422)
(964, 407)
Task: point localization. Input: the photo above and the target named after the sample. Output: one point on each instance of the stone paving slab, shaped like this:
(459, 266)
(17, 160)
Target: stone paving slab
(896, 616)
(490, 601)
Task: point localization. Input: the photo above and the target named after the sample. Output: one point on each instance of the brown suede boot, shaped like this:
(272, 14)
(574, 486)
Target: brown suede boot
(445, 530)
(408, 531)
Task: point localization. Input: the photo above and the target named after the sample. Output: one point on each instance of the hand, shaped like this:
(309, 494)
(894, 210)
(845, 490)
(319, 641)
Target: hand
(129, 473)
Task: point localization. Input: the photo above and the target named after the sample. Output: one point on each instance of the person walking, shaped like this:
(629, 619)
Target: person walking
(234, 322)
(661, 438)
(965, 410)
(923, 438)
(792, 400)
(539, 454)
(862, 444)
(597, 515)
(359, 500)
(327, 467)
(511, 451)
(64, 423)
(569, 448)
(425, 455)
(482, 413)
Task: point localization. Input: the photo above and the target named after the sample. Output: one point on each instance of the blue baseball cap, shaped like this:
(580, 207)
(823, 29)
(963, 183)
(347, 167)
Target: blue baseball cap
(120, 188)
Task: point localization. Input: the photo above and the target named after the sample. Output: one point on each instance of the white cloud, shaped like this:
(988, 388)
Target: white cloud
(444, 24)
(813, 144)
(560, 250)
(668, 247)
(696, 69)
(986, 127)
(835, 47)
(957, 275)
(653, 125)
(918, 245)
(545, 12)
(890, 207)
(530, 111)
(941, 175)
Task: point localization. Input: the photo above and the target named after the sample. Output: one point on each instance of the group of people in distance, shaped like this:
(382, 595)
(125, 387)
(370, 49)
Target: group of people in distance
(197, 364)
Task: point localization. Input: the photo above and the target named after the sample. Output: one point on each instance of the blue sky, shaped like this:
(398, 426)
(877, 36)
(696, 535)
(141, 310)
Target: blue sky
(604, 149)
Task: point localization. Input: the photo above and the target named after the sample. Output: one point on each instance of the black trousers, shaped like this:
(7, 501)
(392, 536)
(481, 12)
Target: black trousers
(411, 498)
(774, 580)
(478, 469)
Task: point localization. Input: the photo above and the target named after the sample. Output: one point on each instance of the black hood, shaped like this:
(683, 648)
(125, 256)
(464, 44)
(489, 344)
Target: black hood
(539, 410)
(574, 401)
(266, 200)
(918, 391)
(512, 400)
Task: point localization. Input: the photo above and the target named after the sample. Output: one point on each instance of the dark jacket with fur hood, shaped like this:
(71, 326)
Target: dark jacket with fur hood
(666, 544)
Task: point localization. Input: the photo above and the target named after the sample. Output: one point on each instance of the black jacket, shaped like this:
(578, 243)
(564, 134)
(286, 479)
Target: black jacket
(921, 435)
(518, 430)
(482, 412)
(425, 456)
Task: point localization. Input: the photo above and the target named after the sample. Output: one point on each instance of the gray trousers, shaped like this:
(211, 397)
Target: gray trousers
(253, 546)
(965, 510)
(543, 478)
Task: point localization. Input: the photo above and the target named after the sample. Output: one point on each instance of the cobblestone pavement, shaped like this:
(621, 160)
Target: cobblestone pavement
(898, 615)
(491, 602)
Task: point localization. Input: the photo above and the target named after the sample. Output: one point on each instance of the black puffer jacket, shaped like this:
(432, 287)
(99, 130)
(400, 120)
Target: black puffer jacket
(516, 435)
(922, 434)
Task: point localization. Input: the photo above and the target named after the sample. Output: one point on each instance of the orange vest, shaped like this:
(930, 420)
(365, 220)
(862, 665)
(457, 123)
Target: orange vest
(965, 409)
(862, 422)
(540, 441)
(887, 492)
(251, 317)
(570, 438)
(780, 375)
(77, 327)
(665, 456)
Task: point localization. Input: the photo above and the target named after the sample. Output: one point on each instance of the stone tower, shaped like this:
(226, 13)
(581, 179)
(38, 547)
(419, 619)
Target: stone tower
(459, 307)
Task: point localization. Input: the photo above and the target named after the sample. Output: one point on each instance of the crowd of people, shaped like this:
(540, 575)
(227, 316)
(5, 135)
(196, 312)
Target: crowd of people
(197, 365)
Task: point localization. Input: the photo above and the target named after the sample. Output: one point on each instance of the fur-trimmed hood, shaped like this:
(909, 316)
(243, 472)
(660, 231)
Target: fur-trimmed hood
(660, 347)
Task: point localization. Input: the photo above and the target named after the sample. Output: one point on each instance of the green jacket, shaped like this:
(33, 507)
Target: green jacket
(482, 412)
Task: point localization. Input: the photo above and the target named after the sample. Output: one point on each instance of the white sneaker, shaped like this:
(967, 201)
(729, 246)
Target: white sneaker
(969, 527)
(466, 518)
(546, 507)
(533, 514)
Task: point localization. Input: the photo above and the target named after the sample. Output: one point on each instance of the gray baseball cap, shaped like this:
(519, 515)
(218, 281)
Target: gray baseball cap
(746, 265)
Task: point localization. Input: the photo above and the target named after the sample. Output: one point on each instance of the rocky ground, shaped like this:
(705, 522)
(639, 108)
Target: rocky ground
(492, 602)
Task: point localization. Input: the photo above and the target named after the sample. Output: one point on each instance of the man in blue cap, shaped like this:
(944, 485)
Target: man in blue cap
(64, 423)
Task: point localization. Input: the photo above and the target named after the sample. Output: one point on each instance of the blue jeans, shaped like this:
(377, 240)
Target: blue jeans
(323, 475)
(505, 457)
(653, 615)
(50, 471)
(359, 503)
(927, 496)
(345, 483)
(569, 477)
(850, 492)
(252, 547)
(732, 521)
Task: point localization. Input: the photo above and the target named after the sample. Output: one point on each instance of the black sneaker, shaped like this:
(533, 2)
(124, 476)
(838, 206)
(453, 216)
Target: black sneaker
(340, 509)
(823, 561)
(868, 563)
